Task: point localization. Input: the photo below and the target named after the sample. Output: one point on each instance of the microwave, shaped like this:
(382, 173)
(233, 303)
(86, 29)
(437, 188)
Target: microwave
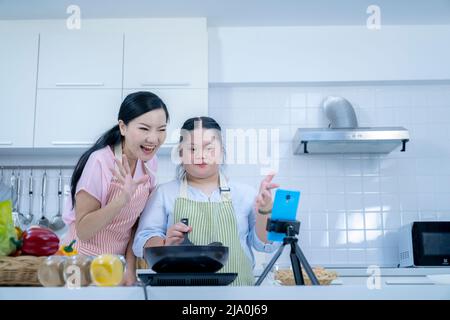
(425, 244)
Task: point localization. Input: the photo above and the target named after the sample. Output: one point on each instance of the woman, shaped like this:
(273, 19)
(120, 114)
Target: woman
(112, 181)
(216, 209)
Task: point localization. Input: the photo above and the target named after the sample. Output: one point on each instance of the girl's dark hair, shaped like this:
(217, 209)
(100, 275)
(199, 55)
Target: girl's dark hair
(204, 122)
(134, 105)
(190, 125)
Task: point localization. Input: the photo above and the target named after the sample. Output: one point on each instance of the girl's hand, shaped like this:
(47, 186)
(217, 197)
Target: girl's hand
(264, 198)
(125, 180)
(129, 277)
(176, 232)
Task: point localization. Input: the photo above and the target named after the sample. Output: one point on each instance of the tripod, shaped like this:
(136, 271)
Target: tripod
(291, 229)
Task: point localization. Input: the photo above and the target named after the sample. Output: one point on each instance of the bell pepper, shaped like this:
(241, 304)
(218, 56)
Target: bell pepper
(37, 241)
(68, 250)
(19, 232)
(17, 242)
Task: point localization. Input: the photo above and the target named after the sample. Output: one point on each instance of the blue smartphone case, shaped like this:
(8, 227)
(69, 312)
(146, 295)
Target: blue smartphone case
(284, 208)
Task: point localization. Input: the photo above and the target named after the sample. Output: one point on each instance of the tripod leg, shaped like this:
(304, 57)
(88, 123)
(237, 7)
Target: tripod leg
(296, 267)
(309, 271)
(270, 265)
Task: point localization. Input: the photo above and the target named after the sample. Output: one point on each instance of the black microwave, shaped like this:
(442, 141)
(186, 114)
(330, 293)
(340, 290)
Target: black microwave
(425, 244)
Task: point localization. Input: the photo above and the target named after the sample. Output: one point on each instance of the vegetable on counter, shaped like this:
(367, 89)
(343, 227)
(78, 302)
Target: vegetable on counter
(37, 241)
(68, 250)
(17, 243)
(7, 231)
(107, 270)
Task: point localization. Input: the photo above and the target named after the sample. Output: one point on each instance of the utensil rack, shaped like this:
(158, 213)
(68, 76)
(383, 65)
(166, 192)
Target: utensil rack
(50, 167)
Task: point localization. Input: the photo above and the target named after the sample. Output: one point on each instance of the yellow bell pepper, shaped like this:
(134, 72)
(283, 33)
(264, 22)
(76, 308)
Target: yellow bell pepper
(19, 232)
(68, 250)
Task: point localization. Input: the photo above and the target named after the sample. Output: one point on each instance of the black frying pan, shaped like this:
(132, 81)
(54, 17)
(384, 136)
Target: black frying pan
(183, 258)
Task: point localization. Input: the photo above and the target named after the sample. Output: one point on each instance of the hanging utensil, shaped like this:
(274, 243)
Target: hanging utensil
(20, 215)
(27, 219)
(14, 196)
(43, 221)
(57, 221)
(13, 189)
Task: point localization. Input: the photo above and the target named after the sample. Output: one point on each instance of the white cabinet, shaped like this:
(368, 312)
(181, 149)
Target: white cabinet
(74, 117)
(159, 58)
(18, 67)
(314, 54)
(181, 104)
(62, 89)
(87, 59)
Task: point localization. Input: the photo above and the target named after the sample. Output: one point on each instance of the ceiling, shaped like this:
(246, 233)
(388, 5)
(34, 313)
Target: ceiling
(240, 12)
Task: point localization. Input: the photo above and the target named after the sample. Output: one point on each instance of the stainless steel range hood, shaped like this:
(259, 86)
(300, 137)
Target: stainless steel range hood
(358, 140)
(344, 136)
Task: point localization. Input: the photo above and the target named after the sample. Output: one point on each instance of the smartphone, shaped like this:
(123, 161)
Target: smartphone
(284, 208)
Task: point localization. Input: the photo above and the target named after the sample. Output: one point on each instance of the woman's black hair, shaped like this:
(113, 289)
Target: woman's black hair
(190, 125)
(133, 106)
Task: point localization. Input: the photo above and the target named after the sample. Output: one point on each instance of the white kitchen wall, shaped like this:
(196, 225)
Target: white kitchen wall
(351, 206)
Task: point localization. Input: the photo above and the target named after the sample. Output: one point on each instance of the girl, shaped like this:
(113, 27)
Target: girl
(215, 212)
(112, 181)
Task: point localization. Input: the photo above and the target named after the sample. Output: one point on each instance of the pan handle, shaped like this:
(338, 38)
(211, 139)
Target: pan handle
(186, 240)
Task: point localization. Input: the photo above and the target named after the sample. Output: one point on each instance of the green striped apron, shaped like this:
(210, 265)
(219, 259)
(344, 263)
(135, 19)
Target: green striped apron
(216, 221)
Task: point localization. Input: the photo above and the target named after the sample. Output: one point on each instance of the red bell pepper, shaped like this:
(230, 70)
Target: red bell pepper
(37, 241)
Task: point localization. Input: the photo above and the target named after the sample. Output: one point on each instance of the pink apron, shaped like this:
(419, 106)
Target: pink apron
(115, 236)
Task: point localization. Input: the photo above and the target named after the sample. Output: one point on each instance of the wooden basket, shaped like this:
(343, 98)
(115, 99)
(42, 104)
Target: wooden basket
(141, 264)
(286, 276)
(20, 271)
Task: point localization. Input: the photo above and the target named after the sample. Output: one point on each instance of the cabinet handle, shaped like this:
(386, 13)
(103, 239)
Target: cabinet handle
(72, 143)
(80, 84)
(166, 84)
(5, 143)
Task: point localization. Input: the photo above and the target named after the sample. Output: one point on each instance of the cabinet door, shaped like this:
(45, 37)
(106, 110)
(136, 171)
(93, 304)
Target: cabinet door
(159, 58)
(80, 59)
(182, 104)
(18, 68)
(74, 117)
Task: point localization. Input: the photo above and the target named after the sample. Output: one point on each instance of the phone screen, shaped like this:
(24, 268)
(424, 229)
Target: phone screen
(284, 208)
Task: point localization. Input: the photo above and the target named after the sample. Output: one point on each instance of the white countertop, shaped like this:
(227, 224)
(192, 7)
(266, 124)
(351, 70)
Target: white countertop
(395, 283)
(333, 292)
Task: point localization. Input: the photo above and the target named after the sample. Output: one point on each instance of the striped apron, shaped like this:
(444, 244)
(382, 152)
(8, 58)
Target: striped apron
(216, 221)
(114, 237)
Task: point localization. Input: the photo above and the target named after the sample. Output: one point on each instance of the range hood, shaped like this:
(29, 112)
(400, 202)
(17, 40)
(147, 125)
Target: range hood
(344, 136)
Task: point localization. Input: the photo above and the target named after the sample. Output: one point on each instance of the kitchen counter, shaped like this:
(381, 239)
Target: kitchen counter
(394, 283)
(333, 292)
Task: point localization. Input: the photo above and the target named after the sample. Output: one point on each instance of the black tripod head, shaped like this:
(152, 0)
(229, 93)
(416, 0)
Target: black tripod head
(289, 227)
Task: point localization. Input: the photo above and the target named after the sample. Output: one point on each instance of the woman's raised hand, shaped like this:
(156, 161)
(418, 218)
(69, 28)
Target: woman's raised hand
(125, 180)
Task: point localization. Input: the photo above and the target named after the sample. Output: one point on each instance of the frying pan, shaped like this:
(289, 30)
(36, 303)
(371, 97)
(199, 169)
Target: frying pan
(186, 257)
(182, 258)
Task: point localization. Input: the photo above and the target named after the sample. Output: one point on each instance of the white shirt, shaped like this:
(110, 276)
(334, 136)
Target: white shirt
(157, 216)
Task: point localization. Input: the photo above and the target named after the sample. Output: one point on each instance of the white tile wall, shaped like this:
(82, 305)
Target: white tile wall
(351, 206)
